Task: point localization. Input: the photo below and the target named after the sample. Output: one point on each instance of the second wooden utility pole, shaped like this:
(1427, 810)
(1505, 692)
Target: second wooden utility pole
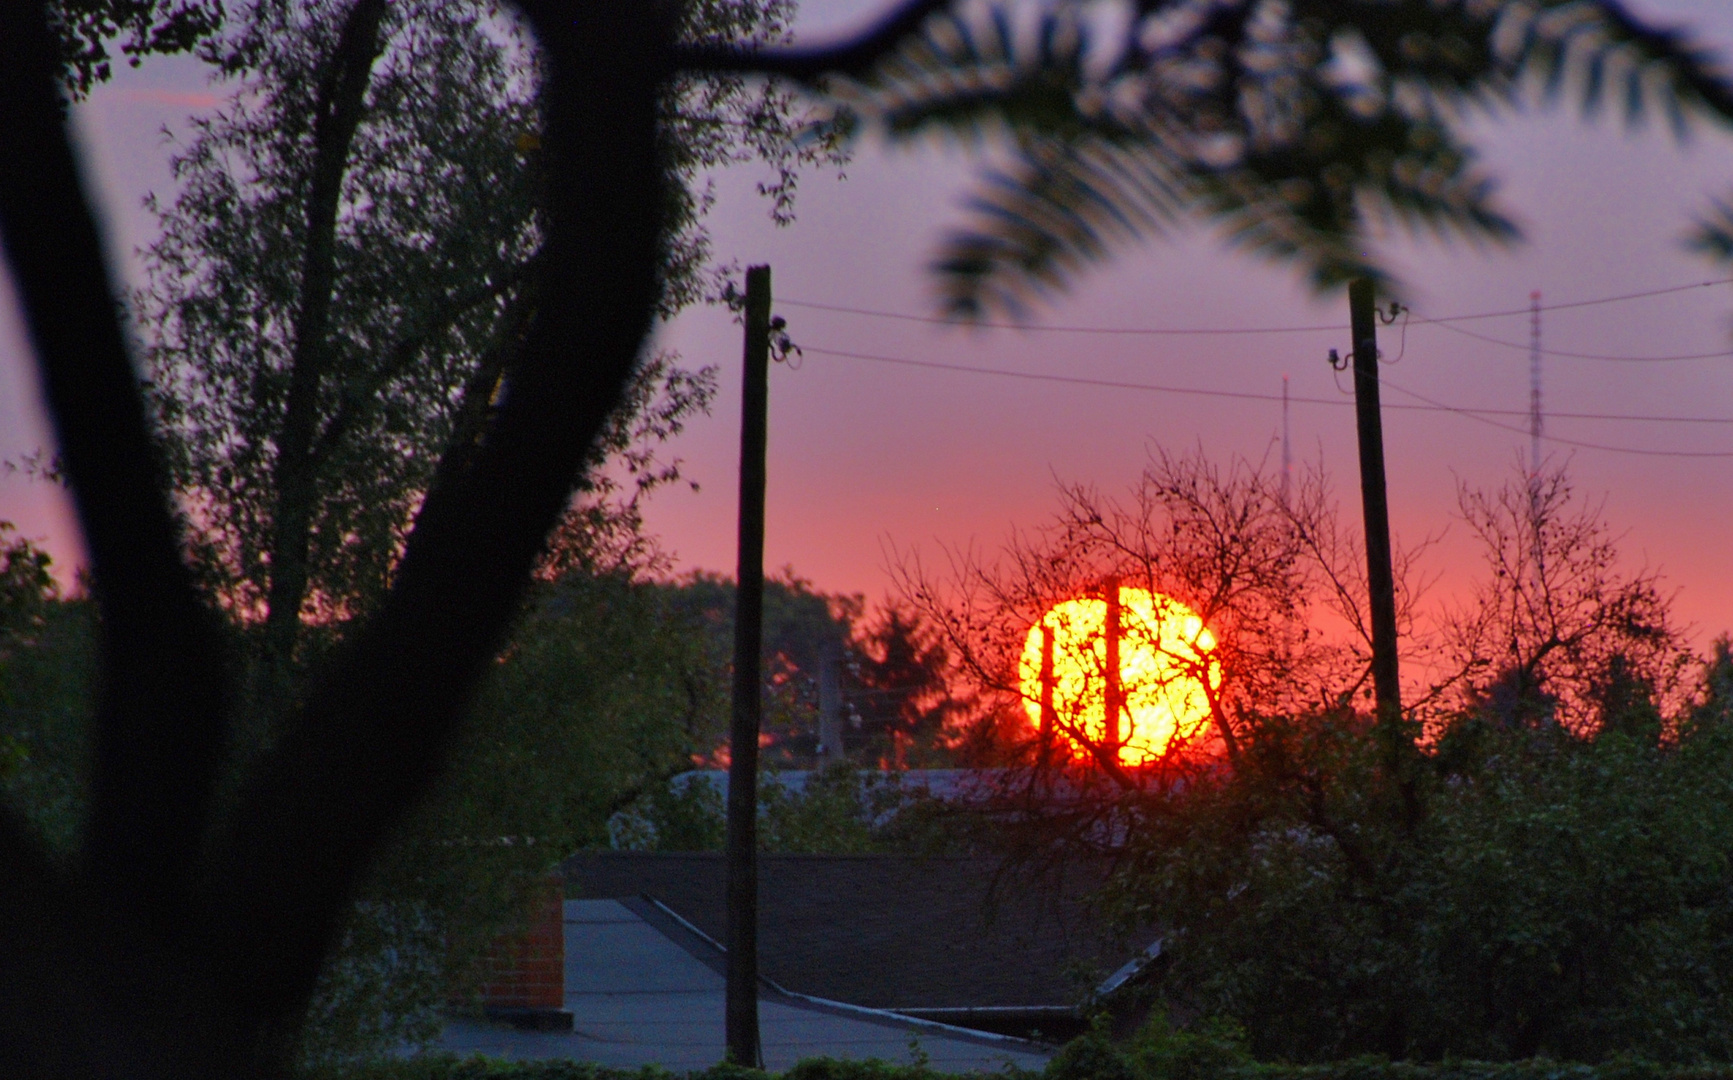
(1049, 718)
(741, 1009)
(1113, 695)
(1380, 581)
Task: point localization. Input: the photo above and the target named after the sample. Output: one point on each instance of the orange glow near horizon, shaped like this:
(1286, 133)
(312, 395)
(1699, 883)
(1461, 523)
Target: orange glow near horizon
(1163, 659)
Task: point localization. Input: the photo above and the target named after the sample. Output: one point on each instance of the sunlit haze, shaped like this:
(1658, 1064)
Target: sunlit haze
(880, 448)
(1164, 661)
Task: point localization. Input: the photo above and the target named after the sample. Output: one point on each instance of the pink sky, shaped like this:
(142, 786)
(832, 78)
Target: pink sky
(866, 457)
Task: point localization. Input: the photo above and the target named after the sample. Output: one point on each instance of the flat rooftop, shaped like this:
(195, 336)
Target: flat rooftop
(892, 931)
(643, 993)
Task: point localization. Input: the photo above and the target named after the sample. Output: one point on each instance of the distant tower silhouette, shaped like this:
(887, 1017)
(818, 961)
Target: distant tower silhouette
(1534, 432)
(1287, 447)
(1534, 414)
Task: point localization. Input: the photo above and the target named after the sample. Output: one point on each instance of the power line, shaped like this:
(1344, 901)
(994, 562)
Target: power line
(1056, 329)
(1616, 358)
(1589, 303)
(1430, 405)
(1248, 395)
(1475, 414)
(1075, 380)
(1312, 328)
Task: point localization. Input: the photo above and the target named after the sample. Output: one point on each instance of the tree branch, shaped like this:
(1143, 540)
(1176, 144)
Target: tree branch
(358, 403)
(89, 990)
(854, 57)
(159, 725)
(476, 405)
(377, 724)
(338, 109)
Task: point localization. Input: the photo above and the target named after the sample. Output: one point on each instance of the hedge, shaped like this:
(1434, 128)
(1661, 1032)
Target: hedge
(437, 1067)
(1088, 1058)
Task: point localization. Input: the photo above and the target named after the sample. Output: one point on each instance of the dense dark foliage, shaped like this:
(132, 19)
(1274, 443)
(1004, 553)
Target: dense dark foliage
(1155, 1052)
(896, 701)
(47, 658)
(140, 28)
(1542, 868)
(1567, 895)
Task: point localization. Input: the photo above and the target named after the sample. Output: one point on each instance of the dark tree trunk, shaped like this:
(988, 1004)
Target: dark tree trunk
(339, 105)
(164, 952)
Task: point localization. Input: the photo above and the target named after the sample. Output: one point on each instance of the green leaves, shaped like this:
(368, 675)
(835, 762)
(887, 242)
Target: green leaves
(1565, 895)
(48, 653)
(436, 215)
(603, 693)
(144, 28)
(1290, 126)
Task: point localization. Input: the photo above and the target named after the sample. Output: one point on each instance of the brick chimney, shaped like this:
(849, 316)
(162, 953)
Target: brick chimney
(524, 974)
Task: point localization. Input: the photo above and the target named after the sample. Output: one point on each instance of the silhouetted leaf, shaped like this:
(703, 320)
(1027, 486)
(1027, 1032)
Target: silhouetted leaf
(1288, 124)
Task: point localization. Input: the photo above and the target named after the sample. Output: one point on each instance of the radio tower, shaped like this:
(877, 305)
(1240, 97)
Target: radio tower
(1534, 426)
(1287, 448)
(1534, 417)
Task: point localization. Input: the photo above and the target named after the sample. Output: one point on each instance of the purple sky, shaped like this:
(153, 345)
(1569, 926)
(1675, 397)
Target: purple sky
(867, 456)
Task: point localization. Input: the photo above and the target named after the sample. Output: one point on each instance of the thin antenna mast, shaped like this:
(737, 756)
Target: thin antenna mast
(1534, 414)
(1287, 446)
(1538, 558)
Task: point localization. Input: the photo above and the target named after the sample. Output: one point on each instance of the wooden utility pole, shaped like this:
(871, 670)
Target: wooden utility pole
(1380, 581)
(741, 1009)
(830, 747)
(1113, 700)
(1049, 718)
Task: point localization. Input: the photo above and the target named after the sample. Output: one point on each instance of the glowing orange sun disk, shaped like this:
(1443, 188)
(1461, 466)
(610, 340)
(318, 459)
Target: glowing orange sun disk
(1164, 659)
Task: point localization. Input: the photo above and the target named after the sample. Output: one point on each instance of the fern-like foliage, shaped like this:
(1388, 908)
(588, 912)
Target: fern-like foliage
(1290, 123)
(1712, 232)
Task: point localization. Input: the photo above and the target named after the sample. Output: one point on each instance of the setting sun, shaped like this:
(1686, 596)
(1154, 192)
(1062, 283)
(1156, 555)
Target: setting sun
(1163, 649)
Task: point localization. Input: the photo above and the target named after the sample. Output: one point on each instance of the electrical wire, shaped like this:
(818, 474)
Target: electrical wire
(1588, 303)
(1055, 329)
(1222, 331)
(1473, 415)
(1403, 351)
(1074, 380)
(1429, 404)
(1575, 355)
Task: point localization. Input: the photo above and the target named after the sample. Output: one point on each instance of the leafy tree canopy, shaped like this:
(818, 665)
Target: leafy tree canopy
(330, 325)
(143, 27)
(897, 701)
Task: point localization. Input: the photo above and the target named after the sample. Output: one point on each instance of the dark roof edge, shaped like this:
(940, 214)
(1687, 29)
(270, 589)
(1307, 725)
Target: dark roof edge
(664, 919)
(893, 1018)
(1130, 969)
(986, 1010)
(773, 856)
(687, 925)
(890, 1017)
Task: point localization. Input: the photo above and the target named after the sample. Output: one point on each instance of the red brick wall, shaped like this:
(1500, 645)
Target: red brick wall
(528, 970)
